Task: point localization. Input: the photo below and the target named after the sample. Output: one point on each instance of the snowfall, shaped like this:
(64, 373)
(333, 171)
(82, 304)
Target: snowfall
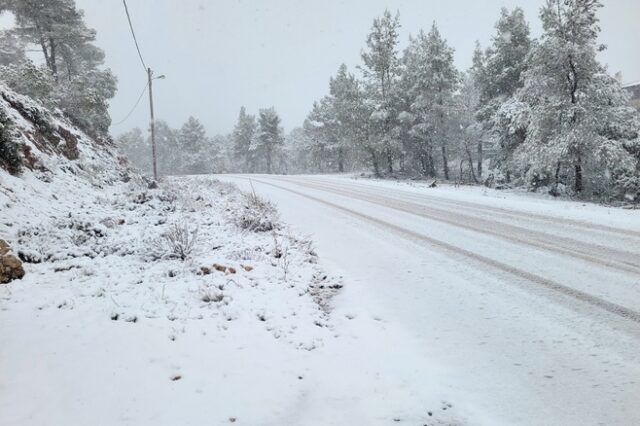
(328, 300)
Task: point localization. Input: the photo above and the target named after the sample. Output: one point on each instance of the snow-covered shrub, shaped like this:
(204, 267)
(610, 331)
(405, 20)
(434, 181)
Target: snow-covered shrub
(255, 214)
(31, 80)
(629, 187)
(178, 242)
(9, 156)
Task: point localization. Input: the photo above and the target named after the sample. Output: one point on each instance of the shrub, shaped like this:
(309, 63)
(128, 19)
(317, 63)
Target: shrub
(10, 158)
(178, 242)
(256, 214)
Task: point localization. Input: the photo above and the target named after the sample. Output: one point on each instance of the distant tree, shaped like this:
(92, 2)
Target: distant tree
(194, 147)
(12, 51)
(168, 149)
(137, 149)
(243, 133)
(270, 135)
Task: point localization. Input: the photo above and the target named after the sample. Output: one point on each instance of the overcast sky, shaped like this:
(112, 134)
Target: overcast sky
(220, 55)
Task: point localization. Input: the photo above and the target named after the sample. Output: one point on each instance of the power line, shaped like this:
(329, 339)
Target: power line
(134, 107)
(133, 33)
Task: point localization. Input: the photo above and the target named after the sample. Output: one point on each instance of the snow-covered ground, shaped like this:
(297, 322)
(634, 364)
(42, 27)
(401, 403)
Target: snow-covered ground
(109, 328)
(384, 303)
(520, 310)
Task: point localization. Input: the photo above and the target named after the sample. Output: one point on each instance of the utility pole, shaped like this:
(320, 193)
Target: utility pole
(153, 126)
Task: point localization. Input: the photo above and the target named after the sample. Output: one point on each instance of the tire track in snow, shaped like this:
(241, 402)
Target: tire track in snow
(481, 208)
(595, 301)
(591, 253)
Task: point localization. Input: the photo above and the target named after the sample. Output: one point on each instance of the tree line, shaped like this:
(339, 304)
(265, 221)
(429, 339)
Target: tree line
(542, 114)
(255, 146)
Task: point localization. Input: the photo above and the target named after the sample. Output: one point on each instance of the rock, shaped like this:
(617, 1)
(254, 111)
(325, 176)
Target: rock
(247, 268)
(4, 248)
(121, 222)
(231, 270)
(10, 266)
(219, 268)
(153, 185)
(205, 270)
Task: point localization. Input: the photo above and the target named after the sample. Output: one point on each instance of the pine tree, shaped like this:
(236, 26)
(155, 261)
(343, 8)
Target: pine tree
(12, 50)
(193, 143)
(498, 73)
(579, 121)
(168, 149)
(243, 134)
(83, 88)
(381, 70)
(434, 81)
(137, 149)
(269, 137)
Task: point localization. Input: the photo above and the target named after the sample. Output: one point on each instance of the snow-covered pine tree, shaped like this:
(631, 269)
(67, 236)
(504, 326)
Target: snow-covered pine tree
(12, 49)
(322, 130)
(498, 73)
(83, 87)
(243, 134)
(382, 68)
(194, 147)
(435, 80)
(137, 149)
(168, 149)
(269, 136)
(352, 112)
(578, 119)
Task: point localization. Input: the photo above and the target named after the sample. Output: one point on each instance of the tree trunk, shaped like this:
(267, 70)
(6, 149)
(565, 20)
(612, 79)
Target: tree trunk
(374, 162)
(445, 163)
(268, 161)
(341, 160)
(470, 157)
(578, 182)
(432, 164)
(480, 158)
(389, 161)
(54, 64)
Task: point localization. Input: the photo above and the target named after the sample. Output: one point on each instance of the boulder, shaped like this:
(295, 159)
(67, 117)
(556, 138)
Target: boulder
(4, 248)
(10, 266)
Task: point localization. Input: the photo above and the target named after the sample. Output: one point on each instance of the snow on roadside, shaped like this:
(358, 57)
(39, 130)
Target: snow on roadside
(108, 301)
(510, 199)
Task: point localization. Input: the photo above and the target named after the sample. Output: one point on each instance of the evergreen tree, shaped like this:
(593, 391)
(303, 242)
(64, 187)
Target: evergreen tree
(243, 134)
(381, 70)
(434, 81)
(269, 137)
(168, 149)
(83, 88)
(194, 147)
(12, 49)
(578, 118)
(137, 149)
(498, 73)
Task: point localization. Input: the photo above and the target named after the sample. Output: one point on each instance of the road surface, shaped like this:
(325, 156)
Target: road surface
(528, 310)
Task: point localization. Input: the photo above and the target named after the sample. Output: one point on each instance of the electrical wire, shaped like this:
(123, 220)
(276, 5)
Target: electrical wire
(133, 33)
(134, 107)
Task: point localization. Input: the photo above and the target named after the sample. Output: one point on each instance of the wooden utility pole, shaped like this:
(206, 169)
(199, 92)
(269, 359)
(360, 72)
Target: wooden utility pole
(152, 125)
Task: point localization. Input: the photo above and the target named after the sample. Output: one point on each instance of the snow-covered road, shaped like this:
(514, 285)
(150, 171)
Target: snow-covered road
(526, 310)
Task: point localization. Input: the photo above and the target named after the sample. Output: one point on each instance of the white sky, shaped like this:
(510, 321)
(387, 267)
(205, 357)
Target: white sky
(220, 55)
